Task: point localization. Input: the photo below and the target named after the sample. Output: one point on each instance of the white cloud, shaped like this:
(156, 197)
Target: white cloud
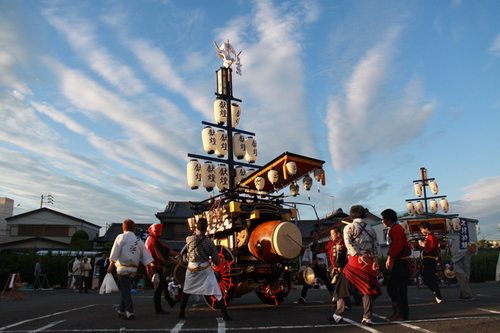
(82, 37)
(495, 47)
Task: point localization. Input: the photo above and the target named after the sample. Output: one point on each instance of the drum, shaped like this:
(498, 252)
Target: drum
(275, 241)
(180, 273)
(306, 276)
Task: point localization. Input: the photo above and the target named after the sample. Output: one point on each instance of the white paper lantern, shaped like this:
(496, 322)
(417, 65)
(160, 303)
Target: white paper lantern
(434, 206)
(221, 144)
(208, 139)
(411, 208)
(259, 182)
(273, 176)
(448, 225)
(291, 168)
(235, 114)
(418, 189)
(419, 207)
(318, 174)
(434, 187)
(238, 146)
(250, 150)
(445, 206)
(208, 175)
(221, 177)
(307, 182)
(294, 189)
(220, 111)
(249, 172)
(240, 174)
(194, 174)
(456, 224)
(404, 224)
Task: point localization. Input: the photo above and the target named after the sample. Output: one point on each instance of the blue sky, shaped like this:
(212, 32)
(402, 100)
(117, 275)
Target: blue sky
(101, 101)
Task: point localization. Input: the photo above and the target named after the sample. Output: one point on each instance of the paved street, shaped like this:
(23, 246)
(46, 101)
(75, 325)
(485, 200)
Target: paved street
(66, 311)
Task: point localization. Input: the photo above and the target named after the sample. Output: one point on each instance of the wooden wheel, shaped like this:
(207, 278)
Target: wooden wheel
(227, 282)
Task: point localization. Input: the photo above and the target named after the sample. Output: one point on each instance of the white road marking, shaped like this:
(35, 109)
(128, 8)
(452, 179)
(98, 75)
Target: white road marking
(366, 328)
(46, 316)
(488, 310)
(178, 327)
(221, 325)
(47, 326)
(413, 327)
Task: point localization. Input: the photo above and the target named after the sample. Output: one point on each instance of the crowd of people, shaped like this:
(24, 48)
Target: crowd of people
(352, 255)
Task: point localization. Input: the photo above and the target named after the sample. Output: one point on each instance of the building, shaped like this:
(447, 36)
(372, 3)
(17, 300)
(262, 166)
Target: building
(6, 210)
(44, 229)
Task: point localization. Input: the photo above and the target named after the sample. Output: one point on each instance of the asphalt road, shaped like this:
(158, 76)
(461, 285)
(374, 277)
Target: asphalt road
(66, 311)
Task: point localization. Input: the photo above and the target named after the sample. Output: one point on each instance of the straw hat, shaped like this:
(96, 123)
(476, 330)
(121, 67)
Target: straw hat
(449, 273)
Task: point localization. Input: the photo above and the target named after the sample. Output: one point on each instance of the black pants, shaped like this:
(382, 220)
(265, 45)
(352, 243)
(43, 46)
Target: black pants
(161, 289)
(429, 276)
(397, 286)
(322, 273)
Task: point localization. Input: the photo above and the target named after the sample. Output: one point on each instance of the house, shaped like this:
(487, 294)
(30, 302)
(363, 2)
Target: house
(44, 229)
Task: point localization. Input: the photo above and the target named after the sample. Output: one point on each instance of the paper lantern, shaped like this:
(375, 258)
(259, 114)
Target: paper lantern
(208, 175)
(419, 207)
(208, 139)
(307, 182)
(240, 174)
(221, 177)
(235, 114)
(291, 168)
(250, 150)
(445, 206)
(220, 111)
(221, 144)
(448, 225)
(238, 146)
(249, 172)
(434, 187)
(294, 189)
(456, 224)
(194, 174)
(259, 182)
(273, 176)
(404, 224)
(418, 189)
(411, 208)
(319, 175)
(434, 206)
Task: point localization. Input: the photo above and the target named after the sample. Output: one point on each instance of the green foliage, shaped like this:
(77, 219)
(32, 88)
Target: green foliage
(80, 242)
(483, 244)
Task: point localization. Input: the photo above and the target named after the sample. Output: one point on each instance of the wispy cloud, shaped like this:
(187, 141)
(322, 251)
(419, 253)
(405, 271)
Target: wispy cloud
(495, 47)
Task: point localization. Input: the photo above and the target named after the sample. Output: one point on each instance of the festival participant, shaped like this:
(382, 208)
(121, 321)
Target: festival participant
(399, 265)
(430, 254)
(160, 253)
(200, 278)
(315, 257)
(460, 263)
(127, 252)
(360, 273)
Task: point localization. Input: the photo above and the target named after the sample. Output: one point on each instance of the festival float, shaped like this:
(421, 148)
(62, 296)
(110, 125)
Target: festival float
(252, 225)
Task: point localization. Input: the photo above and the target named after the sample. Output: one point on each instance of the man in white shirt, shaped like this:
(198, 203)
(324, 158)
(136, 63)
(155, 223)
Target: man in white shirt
(127, 252)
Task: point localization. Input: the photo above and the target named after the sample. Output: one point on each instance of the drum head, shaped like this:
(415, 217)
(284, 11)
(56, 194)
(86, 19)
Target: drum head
(308, 276)
(287, 240)
(180, 274)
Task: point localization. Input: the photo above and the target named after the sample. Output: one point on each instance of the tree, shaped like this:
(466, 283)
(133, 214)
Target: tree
(80, 242)
(483, 244)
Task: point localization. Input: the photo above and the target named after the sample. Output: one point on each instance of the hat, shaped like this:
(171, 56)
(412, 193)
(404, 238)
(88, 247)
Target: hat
(449, 273)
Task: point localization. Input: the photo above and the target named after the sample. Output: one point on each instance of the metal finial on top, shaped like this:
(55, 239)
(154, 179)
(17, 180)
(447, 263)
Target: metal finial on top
(229, 56)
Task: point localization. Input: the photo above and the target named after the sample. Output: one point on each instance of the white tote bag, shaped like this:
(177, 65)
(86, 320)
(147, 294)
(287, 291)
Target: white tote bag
(108, 285)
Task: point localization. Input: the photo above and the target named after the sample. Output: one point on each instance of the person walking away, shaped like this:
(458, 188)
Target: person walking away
(85, 269)
(430, 254)
(200, 278)
(37, 272)
(360, 273)
(399, 265)
(77, 273)
(460, 264)
(160, 253)
(127, 252)
(315, 257)
(103, 264)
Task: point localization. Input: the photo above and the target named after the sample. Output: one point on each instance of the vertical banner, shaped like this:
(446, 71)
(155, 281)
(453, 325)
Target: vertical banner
(464, 233)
